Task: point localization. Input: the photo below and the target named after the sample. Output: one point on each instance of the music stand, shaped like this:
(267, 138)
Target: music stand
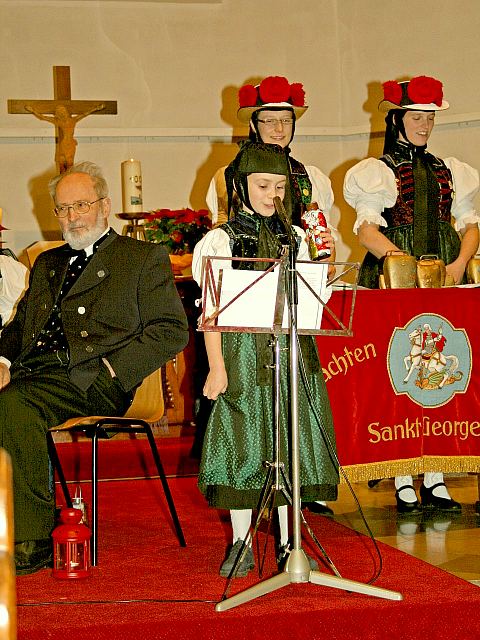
(297, 568)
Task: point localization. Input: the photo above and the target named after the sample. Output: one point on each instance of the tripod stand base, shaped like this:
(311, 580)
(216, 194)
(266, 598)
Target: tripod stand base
(297, 570)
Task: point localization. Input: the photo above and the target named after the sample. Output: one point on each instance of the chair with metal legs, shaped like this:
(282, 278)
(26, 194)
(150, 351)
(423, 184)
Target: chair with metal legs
(146, 409)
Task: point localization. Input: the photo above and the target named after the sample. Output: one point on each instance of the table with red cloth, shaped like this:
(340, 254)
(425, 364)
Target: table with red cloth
(405, 387)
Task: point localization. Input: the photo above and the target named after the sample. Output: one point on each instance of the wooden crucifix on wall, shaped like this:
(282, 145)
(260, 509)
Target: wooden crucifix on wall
(64, 113)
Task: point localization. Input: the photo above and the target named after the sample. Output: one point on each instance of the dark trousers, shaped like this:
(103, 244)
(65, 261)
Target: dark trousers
(39, 396)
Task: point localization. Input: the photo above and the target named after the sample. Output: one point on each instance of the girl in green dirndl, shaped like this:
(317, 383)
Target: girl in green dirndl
(239, 435)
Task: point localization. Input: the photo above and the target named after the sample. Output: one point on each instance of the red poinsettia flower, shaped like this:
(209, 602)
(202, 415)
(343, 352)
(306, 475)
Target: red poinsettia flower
(177, 237)
(202, 217)
(425, 90)
(178, 230)
(158, 213)
(247, 96)
(186, 216)
(274, 89)
(298, 94)
(392, 91)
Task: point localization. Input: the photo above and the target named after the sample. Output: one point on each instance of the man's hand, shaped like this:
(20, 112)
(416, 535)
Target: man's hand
(4, 375)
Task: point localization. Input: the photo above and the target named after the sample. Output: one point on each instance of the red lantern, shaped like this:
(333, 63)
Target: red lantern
(71, 546)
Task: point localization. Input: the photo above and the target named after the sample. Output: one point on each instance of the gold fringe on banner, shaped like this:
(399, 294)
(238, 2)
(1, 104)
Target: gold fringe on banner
(411, 466)
(452, 464)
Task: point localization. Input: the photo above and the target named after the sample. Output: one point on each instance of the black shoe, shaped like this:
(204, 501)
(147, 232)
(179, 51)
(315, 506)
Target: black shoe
(318, 507)
(242, 568)
(477, 507)
(407, 507)
(32, 555)
(434, 502)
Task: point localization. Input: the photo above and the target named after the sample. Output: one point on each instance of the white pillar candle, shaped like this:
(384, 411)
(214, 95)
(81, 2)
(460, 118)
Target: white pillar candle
(132, 186)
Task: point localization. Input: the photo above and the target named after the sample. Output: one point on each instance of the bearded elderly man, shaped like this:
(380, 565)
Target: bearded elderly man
(101, 313)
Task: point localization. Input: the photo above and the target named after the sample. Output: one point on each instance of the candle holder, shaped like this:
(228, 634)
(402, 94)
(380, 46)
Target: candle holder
(132, 228)
(71, 546)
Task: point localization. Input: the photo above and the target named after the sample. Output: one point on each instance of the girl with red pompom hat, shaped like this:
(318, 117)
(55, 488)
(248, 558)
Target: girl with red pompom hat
(271, 110)
(405, 201)
(396, 210)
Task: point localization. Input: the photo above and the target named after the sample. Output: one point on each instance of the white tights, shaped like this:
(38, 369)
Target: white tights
(429, 479)
(242, 520)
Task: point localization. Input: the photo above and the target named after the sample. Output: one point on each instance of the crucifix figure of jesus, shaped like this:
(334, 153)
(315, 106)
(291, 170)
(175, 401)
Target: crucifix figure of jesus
(64, 113)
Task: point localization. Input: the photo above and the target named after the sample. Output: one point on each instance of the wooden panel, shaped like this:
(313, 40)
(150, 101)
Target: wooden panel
(7, 566)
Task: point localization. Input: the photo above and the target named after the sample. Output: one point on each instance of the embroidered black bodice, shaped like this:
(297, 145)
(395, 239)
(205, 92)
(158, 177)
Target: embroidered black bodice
(400, 162)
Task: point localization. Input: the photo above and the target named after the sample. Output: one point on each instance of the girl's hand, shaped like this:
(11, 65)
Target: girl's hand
(327, 238)
(456, 269)
(216, 383)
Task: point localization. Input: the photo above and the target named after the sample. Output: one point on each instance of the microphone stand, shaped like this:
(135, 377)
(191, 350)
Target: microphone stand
(297, 568)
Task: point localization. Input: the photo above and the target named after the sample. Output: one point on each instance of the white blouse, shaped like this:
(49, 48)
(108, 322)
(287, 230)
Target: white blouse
(13, 283)
(370, 187)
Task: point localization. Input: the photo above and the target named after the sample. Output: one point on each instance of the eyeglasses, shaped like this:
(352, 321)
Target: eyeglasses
(80, 206)
(272, 122)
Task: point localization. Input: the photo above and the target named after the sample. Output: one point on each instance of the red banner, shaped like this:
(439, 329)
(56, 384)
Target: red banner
(405, 388)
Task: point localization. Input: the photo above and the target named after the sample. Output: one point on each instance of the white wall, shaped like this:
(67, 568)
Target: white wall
(175, 68)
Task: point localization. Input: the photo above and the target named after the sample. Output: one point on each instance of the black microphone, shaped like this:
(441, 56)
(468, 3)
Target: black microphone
(292, 288)
(282, 214)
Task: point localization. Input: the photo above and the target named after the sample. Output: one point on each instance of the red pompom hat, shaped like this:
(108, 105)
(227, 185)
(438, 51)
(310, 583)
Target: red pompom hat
(421, 93)
(274, 92)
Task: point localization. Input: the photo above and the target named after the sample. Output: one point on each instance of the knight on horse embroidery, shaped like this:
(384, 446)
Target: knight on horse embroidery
(434, 368)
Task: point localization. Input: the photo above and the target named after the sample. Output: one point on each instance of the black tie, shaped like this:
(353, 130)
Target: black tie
(52, 337)
(74, 270)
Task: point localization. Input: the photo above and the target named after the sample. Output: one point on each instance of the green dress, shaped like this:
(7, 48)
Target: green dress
(240, 433)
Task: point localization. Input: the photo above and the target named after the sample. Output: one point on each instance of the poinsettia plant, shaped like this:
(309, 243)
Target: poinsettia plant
(178, 229)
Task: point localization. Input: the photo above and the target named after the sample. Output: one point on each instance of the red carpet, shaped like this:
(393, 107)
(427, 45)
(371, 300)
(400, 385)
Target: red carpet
(127, 458)
(139, 559)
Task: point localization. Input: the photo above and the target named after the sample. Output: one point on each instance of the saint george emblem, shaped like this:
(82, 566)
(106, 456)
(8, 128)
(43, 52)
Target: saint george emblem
(429, 360)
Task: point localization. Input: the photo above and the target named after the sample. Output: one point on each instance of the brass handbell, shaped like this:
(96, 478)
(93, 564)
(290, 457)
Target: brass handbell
(473, 270)
(399, 271)
(431, 272)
